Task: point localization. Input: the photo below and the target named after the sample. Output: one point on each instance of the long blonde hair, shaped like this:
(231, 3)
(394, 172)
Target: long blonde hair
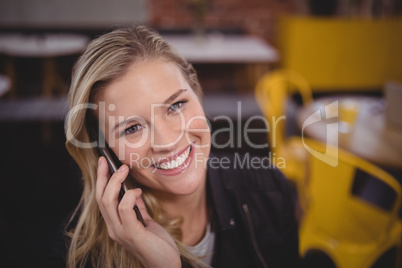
(107, 58)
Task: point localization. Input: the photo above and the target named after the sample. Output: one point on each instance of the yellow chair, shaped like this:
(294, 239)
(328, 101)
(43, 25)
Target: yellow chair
(272, 93)
(352, 217)
(342, 53)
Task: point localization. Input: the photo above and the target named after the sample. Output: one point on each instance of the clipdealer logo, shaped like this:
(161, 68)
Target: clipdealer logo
(329, 111)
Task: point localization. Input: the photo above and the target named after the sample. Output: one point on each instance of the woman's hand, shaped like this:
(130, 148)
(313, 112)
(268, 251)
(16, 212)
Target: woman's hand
(152, 245)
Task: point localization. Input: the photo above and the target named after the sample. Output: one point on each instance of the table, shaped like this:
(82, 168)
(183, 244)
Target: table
(370, 138)
(44, 46)
(218, 48)
(252, 52)
(34, 109)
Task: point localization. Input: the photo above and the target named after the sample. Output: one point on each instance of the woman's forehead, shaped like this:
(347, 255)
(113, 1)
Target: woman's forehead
(145, 83)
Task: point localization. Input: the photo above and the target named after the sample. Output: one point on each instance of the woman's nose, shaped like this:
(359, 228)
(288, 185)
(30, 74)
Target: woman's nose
(165, 135)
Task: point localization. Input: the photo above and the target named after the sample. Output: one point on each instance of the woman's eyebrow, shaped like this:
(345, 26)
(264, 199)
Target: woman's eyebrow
(174, 96)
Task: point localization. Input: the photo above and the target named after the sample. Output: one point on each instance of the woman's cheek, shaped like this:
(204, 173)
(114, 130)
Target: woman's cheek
(128, 151)
(198, 125)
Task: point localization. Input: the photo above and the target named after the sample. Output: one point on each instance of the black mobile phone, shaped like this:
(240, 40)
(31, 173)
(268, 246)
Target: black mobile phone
(112, 169)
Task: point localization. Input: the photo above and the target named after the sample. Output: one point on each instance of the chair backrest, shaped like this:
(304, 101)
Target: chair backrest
(272, 92)
(355, 202)
(342, 53)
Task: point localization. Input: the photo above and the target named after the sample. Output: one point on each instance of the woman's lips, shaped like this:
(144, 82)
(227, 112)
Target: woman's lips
(180, 168)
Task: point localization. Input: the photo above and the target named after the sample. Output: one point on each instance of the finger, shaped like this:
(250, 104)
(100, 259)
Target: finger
(143, 209)
(111, 193)
(102, 178)
(101, 183)
(126, 208)
(114, 184)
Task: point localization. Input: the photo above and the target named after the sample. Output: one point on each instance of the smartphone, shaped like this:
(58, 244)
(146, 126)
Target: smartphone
(112, 169)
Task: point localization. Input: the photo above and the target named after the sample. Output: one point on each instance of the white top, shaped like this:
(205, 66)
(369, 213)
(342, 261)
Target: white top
(205, 248)
(218, 48)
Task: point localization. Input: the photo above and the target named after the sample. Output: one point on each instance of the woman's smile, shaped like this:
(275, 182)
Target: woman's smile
(174, 164)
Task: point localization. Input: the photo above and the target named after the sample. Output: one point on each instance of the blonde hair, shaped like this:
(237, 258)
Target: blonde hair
(106, 59)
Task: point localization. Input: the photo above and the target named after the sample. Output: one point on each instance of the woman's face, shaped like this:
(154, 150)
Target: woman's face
(155, 123)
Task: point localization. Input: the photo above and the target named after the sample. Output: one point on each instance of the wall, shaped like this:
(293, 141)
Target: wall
(71, 13)
(253, 16)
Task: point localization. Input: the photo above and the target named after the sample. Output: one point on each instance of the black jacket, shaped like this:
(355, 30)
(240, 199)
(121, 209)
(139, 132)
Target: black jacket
(254, 217)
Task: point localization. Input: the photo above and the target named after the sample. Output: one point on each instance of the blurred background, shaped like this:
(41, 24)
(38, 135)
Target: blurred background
(342, 58)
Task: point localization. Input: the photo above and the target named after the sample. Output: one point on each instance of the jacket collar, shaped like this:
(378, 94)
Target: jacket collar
(223, 207)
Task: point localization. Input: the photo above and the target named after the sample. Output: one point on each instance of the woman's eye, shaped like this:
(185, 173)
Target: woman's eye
(176, 106)
(132, 129)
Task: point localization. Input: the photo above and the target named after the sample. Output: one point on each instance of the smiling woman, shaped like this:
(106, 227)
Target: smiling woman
(145, 105)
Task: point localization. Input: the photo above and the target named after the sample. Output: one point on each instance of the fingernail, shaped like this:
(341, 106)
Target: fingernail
(99, 161)
(122, 168)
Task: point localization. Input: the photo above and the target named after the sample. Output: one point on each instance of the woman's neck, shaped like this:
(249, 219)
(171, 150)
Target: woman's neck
(193, 209)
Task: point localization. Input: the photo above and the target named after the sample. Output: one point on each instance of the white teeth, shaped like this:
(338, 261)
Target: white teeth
(173, 164)
(163, 166)
(177, 162)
